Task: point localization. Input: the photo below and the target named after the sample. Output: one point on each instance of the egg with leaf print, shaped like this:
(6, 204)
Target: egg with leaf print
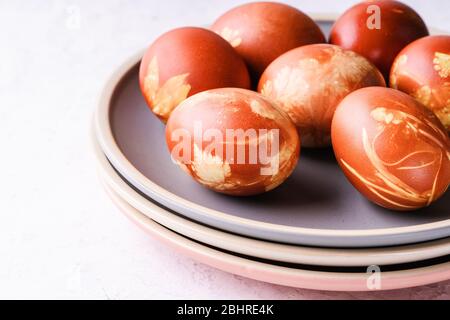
(185, 61)
(392, 148)
(309, 82)
(378, 30)
(262, 31)
(422, 70)
(233, 141)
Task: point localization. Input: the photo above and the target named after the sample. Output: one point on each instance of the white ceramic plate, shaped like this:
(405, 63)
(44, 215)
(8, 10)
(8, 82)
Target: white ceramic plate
(263, 249)
(315, 206)
(282, 275)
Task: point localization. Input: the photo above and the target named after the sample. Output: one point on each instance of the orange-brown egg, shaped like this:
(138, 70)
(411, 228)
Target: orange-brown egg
(185, 61)
(391, 148)
(309, 82)
(262, 31)
(378, 30)
(233, 141)
(422, 70)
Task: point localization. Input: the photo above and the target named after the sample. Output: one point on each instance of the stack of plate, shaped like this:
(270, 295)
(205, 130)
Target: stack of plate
(315, 231)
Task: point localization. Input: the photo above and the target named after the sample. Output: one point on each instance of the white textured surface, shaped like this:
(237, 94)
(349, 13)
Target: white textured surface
(60, 236)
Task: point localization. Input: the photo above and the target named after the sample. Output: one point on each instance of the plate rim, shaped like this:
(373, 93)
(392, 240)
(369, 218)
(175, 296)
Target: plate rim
(281, 275)
(122, 164)
(260, 248)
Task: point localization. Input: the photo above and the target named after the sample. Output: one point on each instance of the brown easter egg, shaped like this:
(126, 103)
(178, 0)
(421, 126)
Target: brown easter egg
(378, 30)
(391, 148)
(422, 70)
(233, 141)
(185, 61)
(309, 82)
(262, 31)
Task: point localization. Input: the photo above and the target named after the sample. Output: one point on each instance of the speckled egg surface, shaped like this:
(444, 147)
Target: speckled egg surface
(262, 31)
(422, 69)
(309, 82)
(233, 141)
(185, 61)
(391, 148)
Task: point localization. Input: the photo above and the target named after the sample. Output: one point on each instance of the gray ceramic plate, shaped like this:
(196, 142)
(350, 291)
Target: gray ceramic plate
(315, 206)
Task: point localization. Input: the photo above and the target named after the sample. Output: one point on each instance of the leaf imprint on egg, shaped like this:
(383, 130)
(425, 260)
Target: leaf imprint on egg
(163, 99)
(387, 185)
(401, 60)
(211, 170)
(441, 63)
(232, 36)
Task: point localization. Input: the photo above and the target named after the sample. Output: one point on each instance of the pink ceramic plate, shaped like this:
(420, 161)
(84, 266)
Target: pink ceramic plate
(282, 275)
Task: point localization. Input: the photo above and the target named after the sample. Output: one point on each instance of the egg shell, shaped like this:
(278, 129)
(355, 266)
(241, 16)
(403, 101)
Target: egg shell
(357, 30)
(262, 31)
(185, 61)
(422, 70)
(391, 148)
(216, 113)
(309, 82)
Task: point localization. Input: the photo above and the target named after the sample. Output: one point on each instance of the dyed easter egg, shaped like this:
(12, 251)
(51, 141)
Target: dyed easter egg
(185, 61)
(309, 82)
(233, 141)
(262, 31)
(378, 30)
(391, 148)
(422, 70)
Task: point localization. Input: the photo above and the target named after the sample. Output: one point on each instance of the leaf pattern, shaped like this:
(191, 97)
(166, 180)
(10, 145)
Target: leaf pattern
(232, 36)
(441, 63)
(401, 60)
(389, 187)
(301, 87)
(211, 170)
(423, 95)
(437, 100)
(163, 99)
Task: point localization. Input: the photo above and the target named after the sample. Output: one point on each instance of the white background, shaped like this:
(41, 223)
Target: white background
(60, 236)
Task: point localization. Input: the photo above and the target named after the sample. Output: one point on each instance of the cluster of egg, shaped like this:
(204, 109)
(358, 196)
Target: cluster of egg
(265, 72)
